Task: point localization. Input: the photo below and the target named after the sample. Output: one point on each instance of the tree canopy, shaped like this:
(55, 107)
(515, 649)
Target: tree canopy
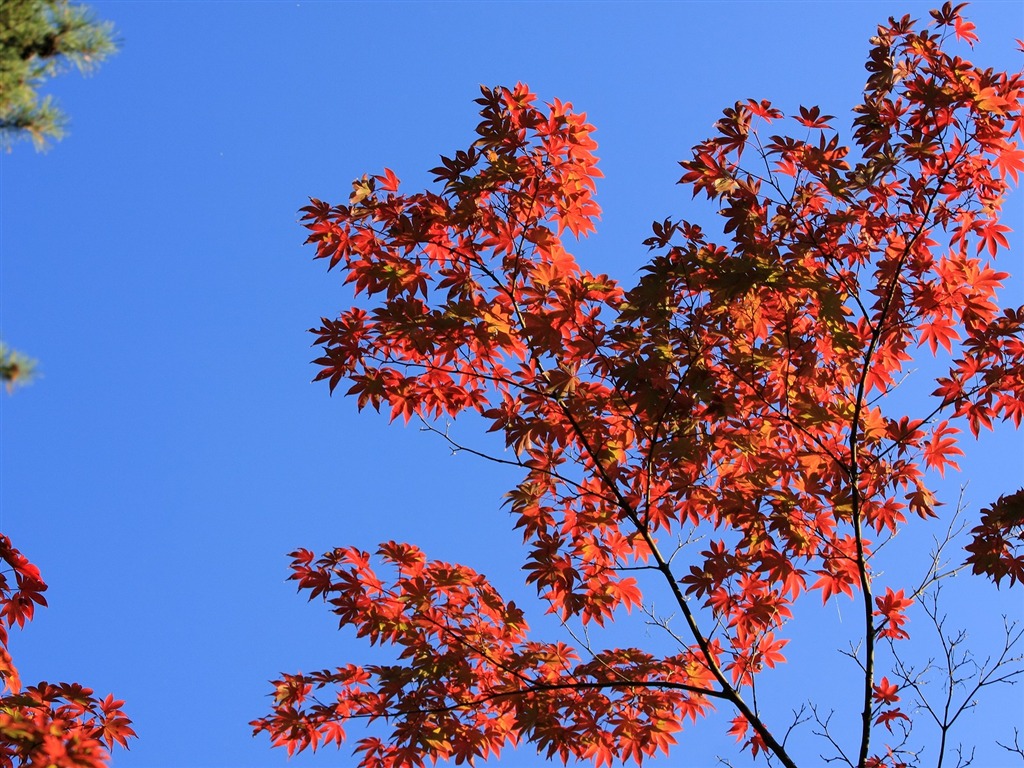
(711, 449)
(40, 39)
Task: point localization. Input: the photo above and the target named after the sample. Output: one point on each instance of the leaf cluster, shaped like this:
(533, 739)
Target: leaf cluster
(40, 39)
(740, 389)
(62, 725)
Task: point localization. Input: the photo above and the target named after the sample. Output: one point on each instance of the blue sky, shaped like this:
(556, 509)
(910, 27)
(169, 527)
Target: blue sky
(174, 450)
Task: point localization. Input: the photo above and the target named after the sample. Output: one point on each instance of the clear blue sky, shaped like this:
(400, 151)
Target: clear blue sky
(174, 450)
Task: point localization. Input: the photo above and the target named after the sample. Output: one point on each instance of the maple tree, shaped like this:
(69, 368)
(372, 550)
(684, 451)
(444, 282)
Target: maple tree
(725, 436)
(62, 725)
